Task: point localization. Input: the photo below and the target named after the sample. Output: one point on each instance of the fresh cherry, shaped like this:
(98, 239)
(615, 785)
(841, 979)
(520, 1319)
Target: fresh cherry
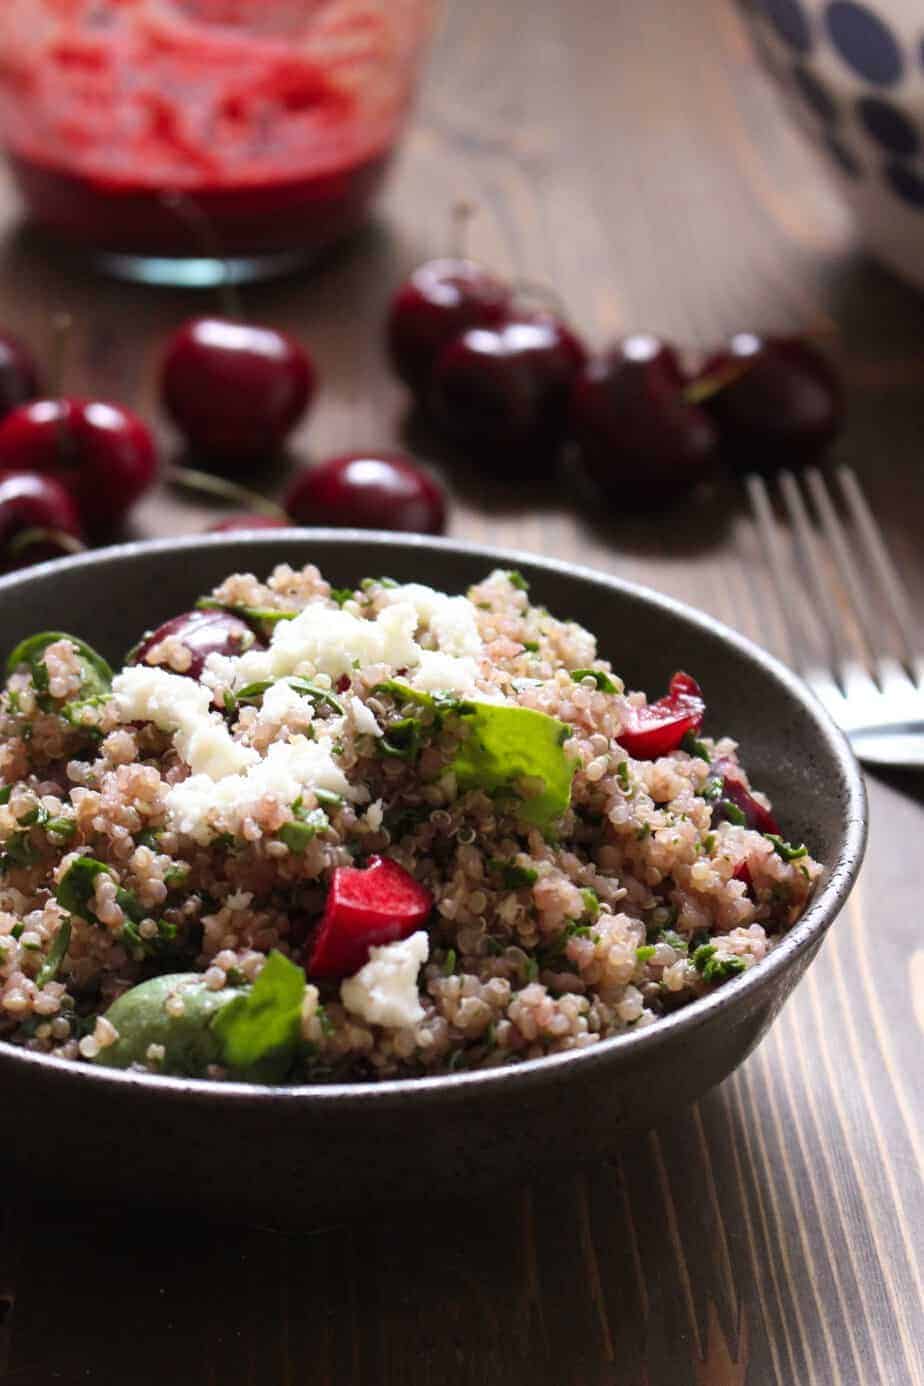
(233, 390)
(103, 454)
(506, 388)
(366, 909)
(776, 400)
(637, 436)
(368, 490)
(441, 299)
(243, 522)
(38, 520)
(201, 633)
(658, 728)
(19, 377)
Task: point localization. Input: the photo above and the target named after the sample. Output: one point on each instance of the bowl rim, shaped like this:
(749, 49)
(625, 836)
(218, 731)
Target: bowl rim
(527, 1074)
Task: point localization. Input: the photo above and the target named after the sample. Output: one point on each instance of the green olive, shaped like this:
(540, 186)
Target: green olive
(142, 1019)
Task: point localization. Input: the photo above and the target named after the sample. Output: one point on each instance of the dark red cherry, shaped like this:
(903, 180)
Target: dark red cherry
(637, 436)
(38, 520)
(777, 401)
(441, 299)
(368, 490)
(236, 522)
(506, 388)
(103, 454)
(235, 391)
(658, 728)
(19, 377)
(201, 633)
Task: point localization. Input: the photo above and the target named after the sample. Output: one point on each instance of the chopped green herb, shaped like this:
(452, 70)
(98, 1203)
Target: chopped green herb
(603, 681)
(76, 887)
(5, 792)
(484, 606)
(732, 813)
(341, 595)
(17, 931)
(148, 838)
(95, 673)
(261, 615)
(622, 775)
(328, 798)
(517, 580)
(673, 940)
(531, 646)
(61, 827)
(303, 829)
(708, 844)
(712, 789)
(702, 955)
(230, 703)
(694, 747)
(401, 739)
(720, 969)
(512, 875)
(259, 1030)
(591, 903)
(377, 582)
(321, 697)
(646, 953)
(449, 964)
(532, 969)
(785, 849)
(35, 817)
(642, 832)
(176, 876)
(700, 939)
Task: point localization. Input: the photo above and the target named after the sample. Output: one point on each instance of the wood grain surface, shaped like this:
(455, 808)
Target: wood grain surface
(633, 157)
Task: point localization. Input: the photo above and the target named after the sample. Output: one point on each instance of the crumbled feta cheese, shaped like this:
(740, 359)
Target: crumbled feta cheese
(284, 773)
(452, 621)
(363, 718)
(182, 706)
(322, 640)
(438, 672)
(384, 992)
(282, 703)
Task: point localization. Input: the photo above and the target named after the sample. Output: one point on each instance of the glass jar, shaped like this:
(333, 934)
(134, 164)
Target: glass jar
(186, 141)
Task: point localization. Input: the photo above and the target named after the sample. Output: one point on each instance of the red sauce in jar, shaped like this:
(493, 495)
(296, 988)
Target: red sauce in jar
(275, 117)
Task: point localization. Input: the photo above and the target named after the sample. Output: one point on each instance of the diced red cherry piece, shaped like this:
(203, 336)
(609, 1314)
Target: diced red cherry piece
(368, 490)
(658, 728)
(240, 522)
(235, 391)
(365, 909)
(19, 377)
(736, 792)
(742, 872)
(201, 633)
(638, 438)
(777, 401)
(37, 517)
(103, 454)
(506, 388)
(441, 299)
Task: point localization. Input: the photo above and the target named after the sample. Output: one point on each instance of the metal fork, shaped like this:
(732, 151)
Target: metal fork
(846, 614)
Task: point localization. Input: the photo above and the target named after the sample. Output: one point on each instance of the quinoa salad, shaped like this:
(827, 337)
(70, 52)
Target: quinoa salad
(310, 834)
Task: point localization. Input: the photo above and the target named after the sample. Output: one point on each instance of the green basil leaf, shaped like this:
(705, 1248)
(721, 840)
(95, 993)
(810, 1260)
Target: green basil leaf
(49, 968)
(603, 681)
(75, 889)
(96, 675)
(259, 1030)
(508, 744)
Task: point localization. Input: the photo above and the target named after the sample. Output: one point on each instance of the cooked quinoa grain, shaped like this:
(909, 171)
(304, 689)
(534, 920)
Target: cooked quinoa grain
(365, 836)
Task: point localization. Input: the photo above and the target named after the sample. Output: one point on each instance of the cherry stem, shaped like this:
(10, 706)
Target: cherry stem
(705, 386)
(461, 215)
(203, 235)
(69, 543)
(541, 293)
(207, 484)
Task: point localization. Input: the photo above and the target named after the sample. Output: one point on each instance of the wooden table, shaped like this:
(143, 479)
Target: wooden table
(633, 157)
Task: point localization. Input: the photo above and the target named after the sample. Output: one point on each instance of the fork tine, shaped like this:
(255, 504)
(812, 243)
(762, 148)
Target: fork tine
(836, 536)
(777, 563)
(838, 651)
(882, 566)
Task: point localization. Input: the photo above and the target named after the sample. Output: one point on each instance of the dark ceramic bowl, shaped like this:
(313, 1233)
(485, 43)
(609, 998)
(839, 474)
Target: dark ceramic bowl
(288, 1155)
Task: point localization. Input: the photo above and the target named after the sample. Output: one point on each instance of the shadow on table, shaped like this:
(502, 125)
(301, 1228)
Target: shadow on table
(627, 1273)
